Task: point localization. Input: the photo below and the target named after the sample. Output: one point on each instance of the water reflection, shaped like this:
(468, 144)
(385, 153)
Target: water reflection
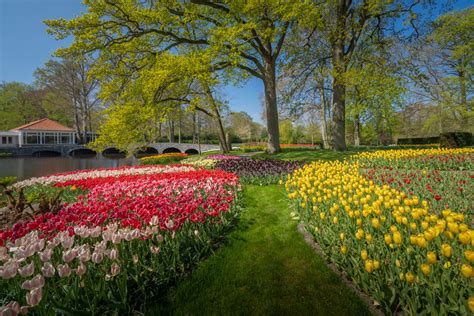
(27, 167)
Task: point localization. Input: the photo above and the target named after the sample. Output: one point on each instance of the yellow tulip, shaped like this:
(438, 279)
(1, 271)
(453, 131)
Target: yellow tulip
(447, 265)
(425, 268)
(376, 264)
(368, 237)
(421, 241)
(397, 263)
(446, 250)
(363, 254)
(388, 239)
(465, 238)
(369, 266)
(467, 270)
(375, 223)
(471, 303)
(463, 227)
(397, 238)
(409, 277)
(469, 254)
(343, 250)
(431, 256)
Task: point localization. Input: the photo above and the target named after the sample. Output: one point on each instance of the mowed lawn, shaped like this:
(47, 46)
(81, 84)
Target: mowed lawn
(265, 268)
(307, 154)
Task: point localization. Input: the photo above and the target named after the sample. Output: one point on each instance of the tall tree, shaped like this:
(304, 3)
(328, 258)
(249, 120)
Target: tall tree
(440, 67)
(347, 22)
(69, 86)
(241, 38)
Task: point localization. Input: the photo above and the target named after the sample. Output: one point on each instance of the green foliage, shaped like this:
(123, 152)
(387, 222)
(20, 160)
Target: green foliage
(418, 141)
(162, 52)
(456, 139)
(18, 105)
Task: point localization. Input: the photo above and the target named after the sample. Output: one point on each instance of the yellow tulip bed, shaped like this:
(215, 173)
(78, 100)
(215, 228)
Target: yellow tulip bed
(426, 158)
(405, 253)
(163, 159)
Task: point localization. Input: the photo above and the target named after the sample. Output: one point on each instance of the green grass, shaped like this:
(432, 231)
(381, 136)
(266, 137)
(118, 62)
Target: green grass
(306, 154)
(265, 268)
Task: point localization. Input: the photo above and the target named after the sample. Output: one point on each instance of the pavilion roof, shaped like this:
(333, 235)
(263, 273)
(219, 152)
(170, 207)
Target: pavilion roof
(44, 125)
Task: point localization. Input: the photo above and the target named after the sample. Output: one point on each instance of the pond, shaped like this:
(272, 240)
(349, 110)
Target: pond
(27, 167)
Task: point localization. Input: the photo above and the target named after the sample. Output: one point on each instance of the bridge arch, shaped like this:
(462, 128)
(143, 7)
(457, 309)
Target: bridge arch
(171, 150)
(82, 152)
(146, 151)
(191, 151)
(114, 153)
(46, 153)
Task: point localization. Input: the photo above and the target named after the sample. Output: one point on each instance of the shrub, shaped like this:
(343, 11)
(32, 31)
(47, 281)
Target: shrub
(456, 139)
(418, 140)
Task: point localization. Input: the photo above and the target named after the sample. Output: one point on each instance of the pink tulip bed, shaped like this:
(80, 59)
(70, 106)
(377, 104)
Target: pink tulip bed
(128, 234)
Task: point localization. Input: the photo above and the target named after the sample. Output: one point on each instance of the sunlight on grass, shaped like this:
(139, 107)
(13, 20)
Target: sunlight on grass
(266, 268)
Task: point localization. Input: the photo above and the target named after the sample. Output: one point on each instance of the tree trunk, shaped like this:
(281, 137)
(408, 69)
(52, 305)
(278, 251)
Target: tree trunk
(464, 103)
(339, 88)
(194, 128)
(271, 107)
(171, 131)
(357, 130)
(179, 127)
(322, 114)
(217, 116)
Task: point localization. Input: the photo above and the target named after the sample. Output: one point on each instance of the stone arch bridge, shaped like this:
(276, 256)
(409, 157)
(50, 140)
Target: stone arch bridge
(81, 150)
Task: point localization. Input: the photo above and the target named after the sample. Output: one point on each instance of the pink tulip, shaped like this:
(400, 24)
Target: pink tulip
(36, 282)
(96, 231)
(12, 308)
(67, 241)
(48, 270)
(34, 296)
(116, 238)
(97, 257)
(46, 254)
(154, 221)
(24, 310)
(113, 254)
(169, 224)
(154, 249)
(159, 237)
(64, 270)
(27, 270)
(81, 269)
(4, 256)
(9, 270)
(84, 253)
(39, 245)
(69, 255)
(115, 269)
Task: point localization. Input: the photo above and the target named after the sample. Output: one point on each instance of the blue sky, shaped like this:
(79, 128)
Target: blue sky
(25, 46)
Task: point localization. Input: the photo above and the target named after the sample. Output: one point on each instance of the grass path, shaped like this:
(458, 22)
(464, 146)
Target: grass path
(265, 268)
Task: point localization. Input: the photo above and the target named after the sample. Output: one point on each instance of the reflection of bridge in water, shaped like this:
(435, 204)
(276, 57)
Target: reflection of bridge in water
(81, 150)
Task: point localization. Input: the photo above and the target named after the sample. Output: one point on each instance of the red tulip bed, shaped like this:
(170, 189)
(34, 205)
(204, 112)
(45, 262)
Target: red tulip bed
(126, 237)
